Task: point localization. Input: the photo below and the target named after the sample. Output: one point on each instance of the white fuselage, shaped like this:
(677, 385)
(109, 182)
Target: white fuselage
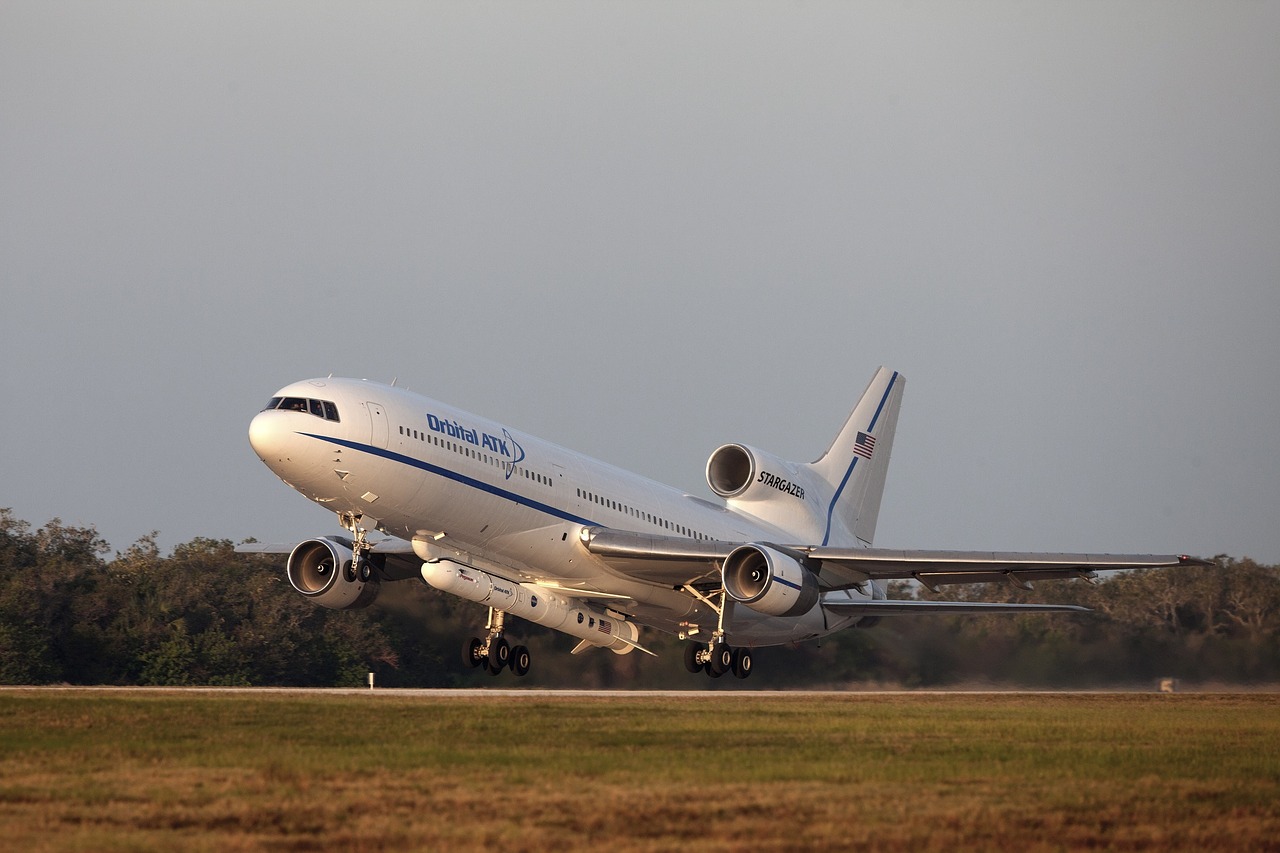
(505, 501)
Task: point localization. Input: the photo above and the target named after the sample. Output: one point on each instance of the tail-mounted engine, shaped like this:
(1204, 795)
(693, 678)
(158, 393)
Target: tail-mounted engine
(769, 581)
(325, 570)
(788, 495)
(732, 470)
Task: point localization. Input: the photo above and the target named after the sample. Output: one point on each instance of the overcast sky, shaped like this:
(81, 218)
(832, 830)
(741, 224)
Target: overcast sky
(641, 230)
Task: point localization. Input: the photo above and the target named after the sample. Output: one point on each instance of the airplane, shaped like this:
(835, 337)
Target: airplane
(528, 529)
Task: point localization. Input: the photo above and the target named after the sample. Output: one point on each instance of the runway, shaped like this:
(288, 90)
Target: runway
(571, 693)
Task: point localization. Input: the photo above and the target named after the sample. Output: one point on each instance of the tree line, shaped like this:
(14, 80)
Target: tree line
(205, 615)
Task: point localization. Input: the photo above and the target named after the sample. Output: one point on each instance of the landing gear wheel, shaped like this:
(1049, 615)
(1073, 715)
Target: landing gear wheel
(742, 663)
(721, 659)
(520, 661)
(499, 655)
(366, 570)
(471, 652)
(692, 662)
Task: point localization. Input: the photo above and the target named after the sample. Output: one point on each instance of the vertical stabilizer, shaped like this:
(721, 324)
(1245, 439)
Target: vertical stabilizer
(858, 460)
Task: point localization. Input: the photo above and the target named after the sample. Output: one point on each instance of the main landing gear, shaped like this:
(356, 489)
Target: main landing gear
(493, 652)
(717, 658)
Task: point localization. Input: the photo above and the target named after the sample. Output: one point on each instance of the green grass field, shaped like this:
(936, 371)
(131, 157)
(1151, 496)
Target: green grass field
(86, 770)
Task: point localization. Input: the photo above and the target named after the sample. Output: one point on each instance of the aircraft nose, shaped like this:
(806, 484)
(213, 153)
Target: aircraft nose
(266, 436)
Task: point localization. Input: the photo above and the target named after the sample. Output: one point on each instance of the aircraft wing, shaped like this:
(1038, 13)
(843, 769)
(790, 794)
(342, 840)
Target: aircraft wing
(390, 546)
(678, 561)
(907, 607)
(669, 560)
(842, 568)
(265, 548)
(400, 561)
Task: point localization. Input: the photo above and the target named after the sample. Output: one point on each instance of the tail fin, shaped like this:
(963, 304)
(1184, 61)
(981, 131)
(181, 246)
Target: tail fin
(856, 463)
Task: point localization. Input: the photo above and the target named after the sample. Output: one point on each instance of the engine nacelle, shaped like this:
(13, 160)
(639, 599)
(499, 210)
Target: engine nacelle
(788, 495)
(323, 570)
(731, 469)
(744, 473)
(769, 581)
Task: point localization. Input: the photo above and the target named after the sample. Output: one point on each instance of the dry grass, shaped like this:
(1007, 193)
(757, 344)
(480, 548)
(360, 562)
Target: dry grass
(97, 771)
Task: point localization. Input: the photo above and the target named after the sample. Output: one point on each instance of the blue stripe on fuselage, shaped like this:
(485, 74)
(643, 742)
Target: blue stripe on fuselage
(455, 476)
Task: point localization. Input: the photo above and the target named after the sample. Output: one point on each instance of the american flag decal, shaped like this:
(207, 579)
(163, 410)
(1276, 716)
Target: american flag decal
(606, 627)
(864, 445)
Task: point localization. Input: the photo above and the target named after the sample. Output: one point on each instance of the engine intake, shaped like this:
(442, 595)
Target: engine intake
(324, 570)
(745, 475)
(730, 470)
(769, 581)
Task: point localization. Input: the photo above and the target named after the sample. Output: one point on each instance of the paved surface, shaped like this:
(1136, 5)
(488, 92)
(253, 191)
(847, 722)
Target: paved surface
(547, 693)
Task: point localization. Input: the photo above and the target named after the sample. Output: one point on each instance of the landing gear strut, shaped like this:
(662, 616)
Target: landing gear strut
(361, 566)
(493, 651)
(716, 657)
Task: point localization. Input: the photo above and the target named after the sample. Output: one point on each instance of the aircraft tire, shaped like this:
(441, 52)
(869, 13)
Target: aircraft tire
(742, 662)
(691, 661)
(721, 659)
(471, 652)
(499, 655)
(520, 661)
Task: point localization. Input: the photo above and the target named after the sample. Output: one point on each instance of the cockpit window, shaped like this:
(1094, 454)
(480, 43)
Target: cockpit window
(320, 408)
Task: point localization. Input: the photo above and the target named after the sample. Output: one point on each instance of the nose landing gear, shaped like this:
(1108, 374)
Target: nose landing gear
(361, 566)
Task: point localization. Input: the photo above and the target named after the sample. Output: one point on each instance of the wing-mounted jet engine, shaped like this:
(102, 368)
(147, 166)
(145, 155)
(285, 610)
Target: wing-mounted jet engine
(769, 581)
(324, 570)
